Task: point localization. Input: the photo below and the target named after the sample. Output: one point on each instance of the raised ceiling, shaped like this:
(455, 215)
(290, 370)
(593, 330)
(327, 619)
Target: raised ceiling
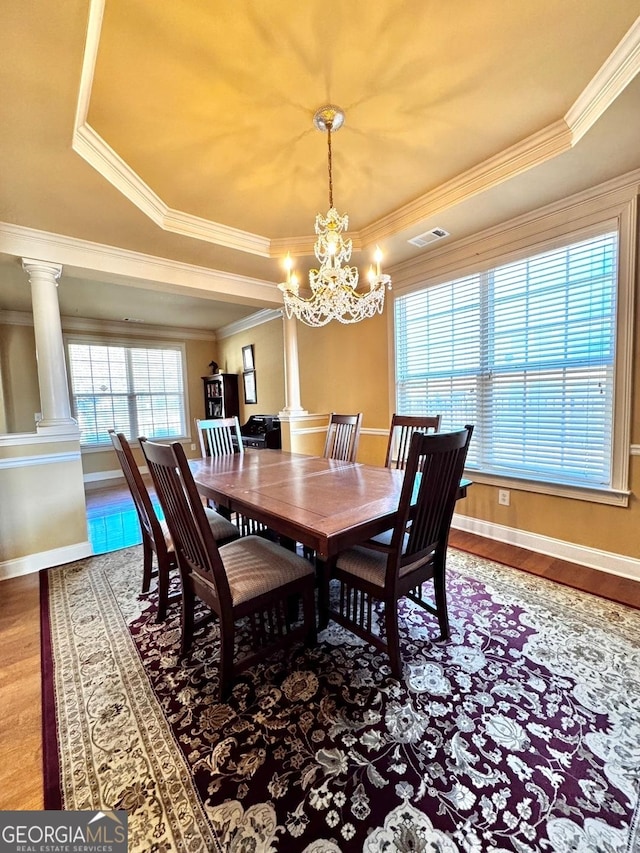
(183, 131)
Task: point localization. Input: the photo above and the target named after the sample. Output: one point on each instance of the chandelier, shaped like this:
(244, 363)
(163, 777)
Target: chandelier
(334, 293)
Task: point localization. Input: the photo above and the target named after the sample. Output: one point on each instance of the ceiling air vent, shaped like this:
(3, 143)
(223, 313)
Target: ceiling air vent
(428, 237)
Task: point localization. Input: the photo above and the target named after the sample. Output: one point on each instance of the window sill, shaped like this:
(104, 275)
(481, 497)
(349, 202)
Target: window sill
(613, 497)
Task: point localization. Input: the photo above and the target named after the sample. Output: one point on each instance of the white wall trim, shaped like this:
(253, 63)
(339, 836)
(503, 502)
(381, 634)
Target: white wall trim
(584, 210)
(44, 560)
(611, 79)
(22, 439)
(135, 269)
(92, 148)
(604, 561)
(308, 430)
(77, 324)
(46, 459)
(102, 476)
(250, 322)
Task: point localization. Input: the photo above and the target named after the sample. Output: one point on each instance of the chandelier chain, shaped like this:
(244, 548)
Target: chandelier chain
(330, 160)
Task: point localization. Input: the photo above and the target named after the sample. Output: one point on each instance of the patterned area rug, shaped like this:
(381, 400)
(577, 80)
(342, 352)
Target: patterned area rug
(521, 734)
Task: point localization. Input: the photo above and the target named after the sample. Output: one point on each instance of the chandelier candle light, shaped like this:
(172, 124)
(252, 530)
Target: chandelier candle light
(334, 294)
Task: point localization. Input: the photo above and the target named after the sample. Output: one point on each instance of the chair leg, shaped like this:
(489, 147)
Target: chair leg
(163, 587)
(293, 608)
(147, 562)
(309, 611)
(187, 618)
(227, 643)
(393, 638)
(440, 595)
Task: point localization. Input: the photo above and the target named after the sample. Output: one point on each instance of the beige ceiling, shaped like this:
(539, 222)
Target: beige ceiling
(183, 131)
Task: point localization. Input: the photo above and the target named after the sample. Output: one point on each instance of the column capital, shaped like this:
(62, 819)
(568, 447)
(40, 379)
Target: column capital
(30, 265)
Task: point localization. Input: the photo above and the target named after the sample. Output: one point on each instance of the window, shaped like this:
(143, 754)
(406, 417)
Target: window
(525, 352)
(132, 388)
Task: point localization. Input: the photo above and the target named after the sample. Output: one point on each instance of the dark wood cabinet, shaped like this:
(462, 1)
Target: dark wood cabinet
(221, 395)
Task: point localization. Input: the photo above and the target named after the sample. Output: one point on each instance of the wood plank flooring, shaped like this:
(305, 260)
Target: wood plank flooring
(20, 697)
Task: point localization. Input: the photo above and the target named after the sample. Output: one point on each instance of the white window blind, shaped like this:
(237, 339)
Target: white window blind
(137, 390)
(525, 352)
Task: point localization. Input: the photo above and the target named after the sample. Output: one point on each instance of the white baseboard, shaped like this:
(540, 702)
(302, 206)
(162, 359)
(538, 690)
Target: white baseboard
(44, 560)
(101, 478)
(604, 561)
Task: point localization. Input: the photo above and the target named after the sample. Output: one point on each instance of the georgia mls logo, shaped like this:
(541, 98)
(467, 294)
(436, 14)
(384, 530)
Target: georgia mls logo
(64, 832)
(101, 833)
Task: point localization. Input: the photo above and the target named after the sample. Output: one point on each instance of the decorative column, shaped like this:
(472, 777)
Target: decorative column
(52, 377)
(291, 370)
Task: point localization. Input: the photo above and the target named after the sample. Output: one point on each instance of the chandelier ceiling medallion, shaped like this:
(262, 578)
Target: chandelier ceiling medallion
(334, 293)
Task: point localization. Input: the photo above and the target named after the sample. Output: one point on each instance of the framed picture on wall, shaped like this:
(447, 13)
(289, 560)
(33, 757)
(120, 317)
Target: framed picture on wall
(250, 391)
(247, 358)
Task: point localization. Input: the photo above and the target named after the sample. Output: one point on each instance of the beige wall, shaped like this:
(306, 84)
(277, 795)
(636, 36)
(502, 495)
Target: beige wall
(42, 508)
(19, 379)
(344, 369)
(268, 357)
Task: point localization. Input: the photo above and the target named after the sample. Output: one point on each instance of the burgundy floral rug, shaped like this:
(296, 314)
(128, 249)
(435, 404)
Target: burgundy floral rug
(522, 733)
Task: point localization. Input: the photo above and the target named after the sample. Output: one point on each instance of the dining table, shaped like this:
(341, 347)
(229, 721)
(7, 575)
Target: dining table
(324, 504)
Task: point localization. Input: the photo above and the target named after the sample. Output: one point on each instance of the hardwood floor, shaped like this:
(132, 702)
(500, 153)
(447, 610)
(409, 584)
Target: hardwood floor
(622, 590)
(110, 511)
(20, 696)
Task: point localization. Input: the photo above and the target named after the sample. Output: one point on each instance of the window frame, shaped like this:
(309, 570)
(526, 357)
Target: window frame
(609, 208)
(89, 339)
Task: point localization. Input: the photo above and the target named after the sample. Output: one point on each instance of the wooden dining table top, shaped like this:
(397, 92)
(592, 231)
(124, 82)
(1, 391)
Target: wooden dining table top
(325, 504)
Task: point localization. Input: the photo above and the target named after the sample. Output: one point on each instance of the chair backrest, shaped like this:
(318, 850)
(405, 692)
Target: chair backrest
(343, 436)
(216, 436)
(196, 549)
(400, 432)
(139, 492)
(435, 465)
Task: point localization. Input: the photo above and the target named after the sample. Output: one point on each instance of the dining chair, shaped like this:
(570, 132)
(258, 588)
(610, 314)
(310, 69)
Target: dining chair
(251, 577)
(155, 534)
(400, 432)
(343, 436)
(217, 436)
(415, 553)
(217, 439)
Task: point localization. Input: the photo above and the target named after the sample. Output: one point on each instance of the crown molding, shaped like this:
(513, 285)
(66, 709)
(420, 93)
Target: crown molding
(143, 270)
(135, 330)
(615, 74)
(15, 318)
(95, 151)
(605, 199)
(114, 327)
(619, 69)
(249, 322)
(536, 149)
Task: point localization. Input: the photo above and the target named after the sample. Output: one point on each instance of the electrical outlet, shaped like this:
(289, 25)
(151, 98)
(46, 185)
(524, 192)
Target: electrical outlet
(504, 497)
(193, 447)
